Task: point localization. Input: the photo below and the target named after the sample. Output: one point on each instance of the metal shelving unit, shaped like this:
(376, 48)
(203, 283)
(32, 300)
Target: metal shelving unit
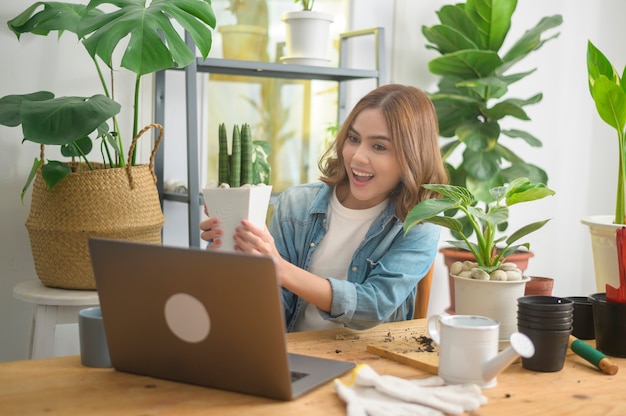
(341, 74)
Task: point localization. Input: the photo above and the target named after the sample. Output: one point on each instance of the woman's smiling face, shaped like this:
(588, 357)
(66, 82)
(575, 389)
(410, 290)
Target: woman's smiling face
(369, 160)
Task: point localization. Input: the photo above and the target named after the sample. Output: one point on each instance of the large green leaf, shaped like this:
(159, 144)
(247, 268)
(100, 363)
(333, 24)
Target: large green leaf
(506, 108)
(447, 39)
(477, 136)
(531, 40)
(481, 165)
(454, 16)
(493, 19)
(54, 16)
(147, 51)
(486, 88)
(598, 64)
(428, 210)
(538, 191)
(610, 101)
(525, 230)
(62, 120)
(10, 105)
(452, 109)
(527, 137)
(466, 64)
(457, 195)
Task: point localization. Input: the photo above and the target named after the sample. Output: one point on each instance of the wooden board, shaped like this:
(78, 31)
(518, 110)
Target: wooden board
(410, 347)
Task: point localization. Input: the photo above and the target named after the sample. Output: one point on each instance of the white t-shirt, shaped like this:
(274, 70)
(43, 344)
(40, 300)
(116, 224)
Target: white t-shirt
(346, 229)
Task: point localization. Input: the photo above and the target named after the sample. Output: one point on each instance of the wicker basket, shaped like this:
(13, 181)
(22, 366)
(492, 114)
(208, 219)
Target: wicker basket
(118, 203)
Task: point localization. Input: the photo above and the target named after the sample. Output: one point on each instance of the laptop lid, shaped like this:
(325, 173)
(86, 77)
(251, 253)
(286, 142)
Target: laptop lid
(201, 317)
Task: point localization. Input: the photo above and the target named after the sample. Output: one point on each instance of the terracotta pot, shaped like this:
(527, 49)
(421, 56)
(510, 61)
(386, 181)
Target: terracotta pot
(452, 254)
(538, 285)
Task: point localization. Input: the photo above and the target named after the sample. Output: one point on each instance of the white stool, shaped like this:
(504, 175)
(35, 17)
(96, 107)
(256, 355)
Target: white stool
(51, 307)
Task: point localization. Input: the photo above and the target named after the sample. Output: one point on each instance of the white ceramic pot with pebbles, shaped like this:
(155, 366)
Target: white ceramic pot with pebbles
(489, 286)
(492, 294)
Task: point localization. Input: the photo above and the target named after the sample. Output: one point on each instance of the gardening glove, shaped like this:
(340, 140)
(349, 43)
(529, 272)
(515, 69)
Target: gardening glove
(400, 394)
(367, 401)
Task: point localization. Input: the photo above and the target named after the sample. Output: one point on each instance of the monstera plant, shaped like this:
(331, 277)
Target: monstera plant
(151, 43)
(472, 100)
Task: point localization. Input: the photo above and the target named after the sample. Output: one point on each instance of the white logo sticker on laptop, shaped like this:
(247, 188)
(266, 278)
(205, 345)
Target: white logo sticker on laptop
(187, 318)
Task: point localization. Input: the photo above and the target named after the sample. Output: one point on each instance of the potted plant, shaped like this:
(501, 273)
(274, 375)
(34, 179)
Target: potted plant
(489, 286)
(87, 191)
(243, 177)
(472, 101)
(307, 33)
(247, 38)
(607, 91)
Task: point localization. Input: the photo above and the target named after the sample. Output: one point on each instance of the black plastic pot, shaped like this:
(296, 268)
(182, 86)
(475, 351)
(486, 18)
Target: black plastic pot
(609, 320)
(583, 327)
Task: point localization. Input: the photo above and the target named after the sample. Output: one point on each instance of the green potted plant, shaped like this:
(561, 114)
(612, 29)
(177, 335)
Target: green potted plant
(607, 91)
(472, 100)
(307, 33)
(488, 286)
(247, 38)
(116, 197)
(243, 178)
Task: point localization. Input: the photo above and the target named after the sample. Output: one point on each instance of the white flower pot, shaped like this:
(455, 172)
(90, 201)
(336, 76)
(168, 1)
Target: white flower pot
(231, 205)
(604, 249)
(493, 299)
(307, 34)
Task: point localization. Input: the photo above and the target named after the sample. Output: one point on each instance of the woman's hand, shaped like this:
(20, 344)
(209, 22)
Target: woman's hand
(255, 240)
(211, 232)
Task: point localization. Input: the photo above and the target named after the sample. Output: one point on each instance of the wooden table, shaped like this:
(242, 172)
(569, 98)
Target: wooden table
(62, 386)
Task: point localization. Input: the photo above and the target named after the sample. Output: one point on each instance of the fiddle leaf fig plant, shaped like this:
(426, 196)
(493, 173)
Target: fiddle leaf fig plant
(609, 95)
(472, 102)
(151, 43)
(484, 222)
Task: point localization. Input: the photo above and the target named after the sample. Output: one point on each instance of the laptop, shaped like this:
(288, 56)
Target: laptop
(201, 317)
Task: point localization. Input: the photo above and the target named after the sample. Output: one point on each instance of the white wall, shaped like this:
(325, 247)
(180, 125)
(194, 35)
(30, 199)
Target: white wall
(582, 174)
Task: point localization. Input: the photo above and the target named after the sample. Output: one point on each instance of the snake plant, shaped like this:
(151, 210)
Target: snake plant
(248, 161)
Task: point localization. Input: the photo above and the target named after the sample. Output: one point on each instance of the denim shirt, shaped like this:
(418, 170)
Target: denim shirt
(385, 268)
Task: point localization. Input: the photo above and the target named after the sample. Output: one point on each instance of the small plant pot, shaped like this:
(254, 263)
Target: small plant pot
(307, 34)
(583, 327)
(494, 299)
(609, 320)
(539, 285)
(231, 205)
(550, 349)
(552, 304)
(538, 318)
(452, 254)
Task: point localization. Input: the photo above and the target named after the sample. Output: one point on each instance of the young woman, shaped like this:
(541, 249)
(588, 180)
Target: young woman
(343, 257)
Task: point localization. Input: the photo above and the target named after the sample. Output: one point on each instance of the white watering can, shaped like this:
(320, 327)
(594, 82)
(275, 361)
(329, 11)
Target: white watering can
(468, 348)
